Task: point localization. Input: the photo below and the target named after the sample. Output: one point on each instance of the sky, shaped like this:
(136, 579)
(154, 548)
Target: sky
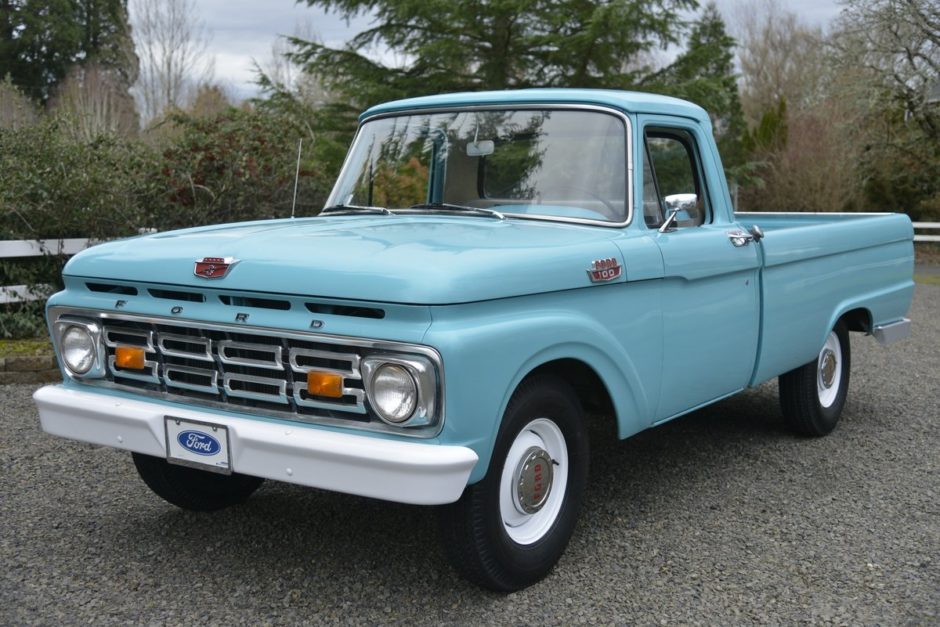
(243, 31)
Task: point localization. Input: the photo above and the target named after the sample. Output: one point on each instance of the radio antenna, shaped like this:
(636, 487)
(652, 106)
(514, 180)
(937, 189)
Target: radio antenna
(293, 206)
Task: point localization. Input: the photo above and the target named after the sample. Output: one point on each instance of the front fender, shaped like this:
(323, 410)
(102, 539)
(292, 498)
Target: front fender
(489, 348)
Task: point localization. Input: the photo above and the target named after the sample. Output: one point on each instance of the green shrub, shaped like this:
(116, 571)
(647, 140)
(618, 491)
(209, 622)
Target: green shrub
(53, 186)
(237, 165)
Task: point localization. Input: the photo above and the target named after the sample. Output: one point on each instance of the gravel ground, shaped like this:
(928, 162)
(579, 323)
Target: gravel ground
(721, 517)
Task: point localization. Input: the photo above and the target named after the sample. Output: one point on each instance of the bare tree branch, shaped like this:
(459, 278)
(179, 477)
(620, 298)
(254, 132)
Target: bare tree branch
(172, 45)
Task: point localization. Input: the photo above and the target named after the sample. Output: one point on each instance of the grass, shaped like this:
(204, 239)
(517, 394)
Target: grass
(926, 279)
(11, 348)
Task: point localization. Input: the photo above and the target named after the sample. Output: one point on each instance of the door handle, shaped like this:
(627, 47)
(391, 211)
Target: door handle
(740, 238)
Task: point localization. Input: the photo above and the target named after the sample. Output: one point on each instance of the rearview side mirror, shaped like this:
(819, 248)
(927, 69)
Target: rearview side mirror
(682, 202)
(678, 208)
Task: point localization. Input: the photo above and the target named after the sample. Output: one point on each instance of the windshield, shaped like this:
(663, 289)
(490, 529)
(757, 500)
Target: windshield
(551, 163)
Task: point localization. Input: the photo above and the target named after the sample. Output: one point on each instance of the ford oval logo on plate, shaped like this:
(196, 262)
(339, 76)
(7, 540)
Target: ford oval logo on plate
(198, 442)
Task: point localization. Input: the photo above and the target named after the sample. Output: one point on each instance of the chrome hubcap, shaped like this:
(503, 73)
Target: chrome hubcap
(829, 371)
(827, 367)
(533, 479)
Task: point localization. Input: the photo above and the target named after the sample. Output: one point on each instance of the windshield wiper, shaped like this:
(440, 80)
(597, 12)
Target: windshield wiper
(446, 206)
(356, 209)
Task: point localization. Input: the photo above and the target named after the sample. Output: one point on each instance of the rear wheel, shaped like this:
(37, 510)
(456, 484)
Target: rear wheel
(812, 396)
(192, 489)
(508, 530)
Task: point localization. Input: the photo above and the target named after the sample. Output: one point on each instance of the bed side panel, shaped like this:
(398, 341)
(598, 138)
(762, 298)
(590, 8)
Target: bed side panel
(814, 274)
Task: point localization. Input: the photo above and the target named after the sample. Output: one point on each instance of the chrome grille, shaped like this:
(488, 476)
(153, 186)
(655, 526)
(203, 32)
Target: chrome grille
(238, 368)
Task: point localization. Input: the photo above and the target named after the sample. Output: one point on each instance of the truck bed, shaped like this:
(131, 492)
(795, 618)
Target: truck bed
(818, 267)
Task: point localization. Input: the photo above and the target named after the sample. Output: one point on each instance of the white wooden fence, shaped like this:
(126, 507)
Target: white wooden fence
(926, 226)
(14, 249)
(10, 249)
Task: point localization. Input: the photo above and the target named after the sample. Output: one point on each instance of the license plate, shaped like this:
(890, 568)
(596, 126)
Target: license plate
(198, 444)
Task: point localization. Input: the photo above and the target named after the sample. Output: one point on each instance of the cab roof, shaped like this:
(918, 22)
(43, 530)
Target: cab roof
(626, 101)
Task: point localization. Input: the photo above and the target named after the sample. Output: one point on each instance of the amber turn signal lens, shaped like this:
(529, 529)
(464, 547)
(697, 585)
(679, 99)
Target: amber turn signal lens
(129, 357)
(325, 384)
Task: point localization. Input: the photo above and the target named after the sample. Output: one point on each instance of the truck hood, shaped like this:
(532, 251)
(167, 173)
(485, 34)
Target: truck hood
(424, 260)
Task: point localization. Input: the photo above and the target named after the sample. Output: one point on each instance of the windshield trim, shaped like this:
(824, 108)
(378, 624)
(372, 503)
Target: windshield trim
(521, 106)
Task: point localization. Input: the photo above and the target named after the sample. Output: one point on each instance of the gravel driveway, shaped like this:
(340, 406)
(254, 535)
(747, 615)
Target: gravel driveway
(721, 517)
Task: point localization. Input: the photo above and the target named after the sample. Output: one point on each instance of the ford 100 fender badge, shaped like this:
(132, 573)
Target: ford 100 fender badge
(214, 267)
(604, 270)
(198, 442)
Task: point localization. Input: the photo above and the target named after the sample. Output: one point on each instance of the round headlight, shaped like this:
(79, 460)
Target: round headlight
(78, 349)
(394, 393)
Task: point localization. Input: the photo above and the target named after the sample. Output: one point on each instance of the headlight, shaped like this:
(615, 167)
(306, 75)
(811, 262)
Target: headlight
(78, 349)
(394, 393)
(403, 389)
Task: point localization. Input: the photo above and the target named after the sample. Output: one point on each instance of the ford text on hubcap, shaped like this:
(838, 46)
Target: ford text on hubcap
(533, 481)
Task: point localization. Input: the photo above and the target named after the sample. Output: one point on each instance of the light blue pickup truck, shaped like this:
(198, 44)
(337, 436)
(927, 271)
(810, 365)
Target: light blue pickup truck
(490, 269)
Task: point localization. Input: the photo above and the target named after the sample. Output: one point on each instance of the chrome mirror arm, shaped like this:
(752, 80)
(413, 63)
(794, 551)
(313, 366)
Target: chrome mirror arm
(670, 223)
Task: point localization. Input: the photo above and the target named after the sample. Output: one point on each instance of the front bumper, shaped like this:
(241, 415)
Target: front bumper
(405, 472)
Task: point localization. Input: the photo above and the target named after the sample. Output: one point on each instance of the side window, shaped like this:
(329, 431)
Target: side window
(672, 160)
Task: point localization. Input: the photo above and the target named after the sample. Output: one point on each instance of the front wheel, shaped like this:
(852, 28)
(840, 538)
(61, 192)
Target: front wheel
(508, 530)
(813, 395)
(192, 489)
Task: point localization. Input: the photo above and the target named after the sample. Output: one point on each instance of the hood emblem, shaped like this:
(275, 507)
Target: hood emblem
(605, 270)
(214, 267)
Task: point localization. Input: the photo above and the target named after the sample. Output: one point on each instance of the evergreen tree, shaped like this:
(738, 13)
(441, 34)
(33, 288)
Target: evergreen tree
(704, 74)
(460, 45)
(43, 39)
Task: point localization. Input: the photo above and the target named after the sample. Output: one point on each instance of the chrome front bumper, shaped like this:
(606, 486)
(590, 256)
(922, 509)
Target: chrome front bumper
(405, 472)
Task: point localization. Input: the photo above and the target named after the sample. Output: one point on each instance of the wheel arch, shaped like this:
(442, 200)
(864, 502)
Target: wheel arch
(858, 320)
(602, 387)
(589, 388)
